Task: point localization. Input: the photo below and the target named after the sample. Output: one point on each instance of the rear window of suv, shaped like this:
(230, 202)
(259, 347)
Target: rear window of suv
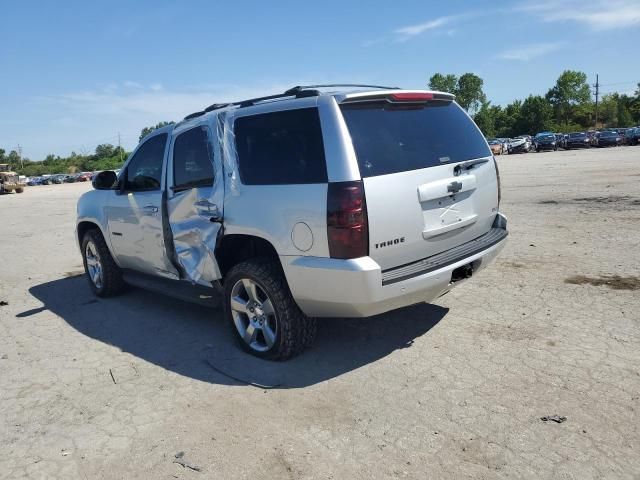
(397, 138)
(281, 148)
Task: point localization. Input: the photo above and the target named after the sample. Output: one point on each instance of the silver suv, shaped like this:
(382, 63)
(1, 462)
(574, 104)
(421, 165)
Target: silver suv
(323, 201)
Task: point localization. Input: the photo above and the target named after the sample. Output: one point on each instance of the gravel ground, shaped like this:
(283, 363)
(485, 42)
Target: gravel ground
(126, 387)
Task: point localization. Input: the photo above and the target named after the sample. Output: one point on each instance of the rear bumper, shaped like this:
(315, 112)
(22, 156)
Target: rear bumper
(326, 287)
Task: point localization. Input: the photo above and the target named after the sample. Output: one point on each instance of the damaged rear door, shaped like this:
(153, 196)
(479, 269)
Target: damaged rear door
(194, 202)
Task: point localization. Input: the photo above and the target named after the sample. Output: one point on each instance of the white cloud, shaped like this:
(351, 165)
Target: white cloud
(599, 15)
(410, 31)
(81, 120)
(525, 53)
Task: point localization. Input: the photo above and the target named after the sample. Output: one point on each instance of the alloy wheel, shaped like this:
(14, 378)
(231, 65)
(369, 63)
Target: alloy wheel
(94, 265)
(253, 315)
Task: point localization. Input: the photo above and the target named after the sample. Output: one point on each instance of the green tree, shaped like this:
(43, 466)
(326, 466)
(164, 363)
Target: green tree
(13, 159)
(467, 88)
(535, 115)
(2, 155)
(105, 150)
(485, 119)
(147, 130)
(624, 115)
(469, 92)
(571, 89)
(443, 83)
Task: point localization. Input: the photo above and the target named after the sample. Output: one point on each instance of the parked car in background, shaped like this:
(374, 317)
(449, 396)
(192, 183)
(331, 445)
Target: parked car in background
(578, 140)
(546, 141)
(593, 138)
(633, 136)
(505, 143)
(560, 140)
(69, 179)
(609, 138)
(84, 177)
(520, 144)
(496, 146)
(58, 179)
(33, 181)
(624, 135)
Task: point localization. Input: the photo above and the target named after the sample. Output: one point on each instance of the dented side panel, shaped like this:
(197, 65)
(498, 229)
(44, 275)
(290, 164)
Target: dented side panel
(195, 216)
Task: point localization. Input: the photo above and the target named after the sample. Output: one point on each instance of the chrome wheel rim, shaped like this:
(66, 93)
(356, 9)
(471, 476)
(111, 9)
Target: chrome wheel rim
(253, 315)
(94, 266)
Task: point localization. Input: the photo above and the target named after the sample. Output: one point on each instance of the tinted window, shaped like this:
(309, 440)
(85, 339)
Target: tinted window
(144, 171)
(390, 139)
(577, 135)
(192, 159)
(281, 148)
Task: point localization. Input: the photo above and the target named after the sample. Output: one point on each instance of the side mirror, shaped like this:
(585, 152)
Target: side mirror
(105, 180)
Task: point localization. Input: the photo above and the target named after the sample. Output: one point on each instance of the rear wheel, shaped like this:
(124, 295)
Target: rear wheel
(263, 315)
(103, 274)
(19, 190)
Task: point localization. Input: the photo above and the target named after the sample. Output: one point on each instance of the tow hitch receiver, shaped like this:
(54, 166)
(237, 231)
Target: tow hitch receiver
(462, 273)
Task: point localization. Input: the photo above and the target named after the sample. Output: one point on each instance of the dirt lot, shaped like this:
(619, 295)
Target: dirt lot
(120, 388)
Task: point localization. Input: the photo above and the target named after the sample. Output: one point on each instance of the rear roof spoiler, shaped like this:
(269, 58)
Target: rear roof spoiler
(401, 96)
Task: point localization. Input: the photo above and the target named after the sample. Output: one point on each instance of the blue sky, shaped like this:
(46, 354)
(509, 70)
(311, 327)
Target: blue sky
(73, 74)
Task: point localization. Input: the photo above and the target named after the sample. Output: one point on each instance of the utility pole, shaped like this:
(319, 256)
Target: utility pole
(20, 155)
(597, 85)
(119, 147)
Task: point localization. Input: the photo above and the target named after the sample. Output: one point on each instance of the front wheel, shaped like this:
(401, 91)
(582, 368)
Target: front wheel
(19, 190)
(104, 275)
(263, 315)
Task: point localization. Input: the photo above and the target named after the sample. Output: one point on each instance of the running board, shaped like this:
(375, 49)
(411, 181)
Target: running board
(180, 289)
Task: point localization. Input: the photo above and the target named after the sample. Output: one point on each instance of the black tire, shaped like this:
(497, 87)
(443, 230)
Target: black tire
(294, 330)
(19, 190)
(111, 276)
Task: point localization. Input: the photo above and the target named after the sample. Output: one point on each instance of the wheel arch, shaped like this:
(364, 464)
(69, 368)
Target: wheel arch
(234, 248)
(84, 225)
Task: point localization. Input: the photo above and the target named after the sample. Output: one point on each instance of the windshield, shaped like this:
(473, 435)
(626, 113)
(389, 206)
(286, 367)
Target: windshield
(577, 135)
(608, 134)
(548, 137)
(392, 138)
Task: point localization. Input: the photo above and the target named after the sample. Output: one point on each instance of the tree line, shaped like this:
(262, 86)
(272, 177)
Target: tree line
(567, 106)
(105, 157)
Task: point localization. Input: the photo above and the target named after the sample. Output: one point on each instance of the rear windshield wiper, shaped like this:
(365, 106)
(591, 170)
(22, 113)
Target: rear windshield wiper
(204, 182)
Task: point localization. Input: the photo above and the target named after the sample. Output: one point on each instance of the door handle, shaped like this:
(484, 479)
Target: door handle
(149, 209)
(204, 203)
(208, 209)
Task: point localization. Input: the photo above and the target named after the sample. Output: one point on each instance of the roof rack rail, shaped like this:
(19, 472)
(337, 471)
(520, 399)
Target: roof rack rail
(216, 106)
(300, 88)
(299, 91)
(194, 115)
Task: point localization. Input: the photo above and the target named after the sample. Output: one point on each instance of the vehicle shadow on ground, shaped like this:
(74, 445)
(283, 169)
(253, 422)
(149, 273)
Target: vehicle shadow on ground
(196, 342)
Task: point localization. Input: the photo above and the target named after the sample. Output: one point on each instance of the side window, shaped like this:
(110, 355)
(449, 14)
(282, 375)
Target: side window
(192, 160)
(144, 171)
(281, 148)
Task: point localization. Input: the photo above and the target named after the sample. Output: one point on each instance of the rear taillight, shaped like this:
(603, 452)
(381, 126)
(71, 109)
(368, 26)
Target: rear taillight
(495, 164)
(347, 225)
